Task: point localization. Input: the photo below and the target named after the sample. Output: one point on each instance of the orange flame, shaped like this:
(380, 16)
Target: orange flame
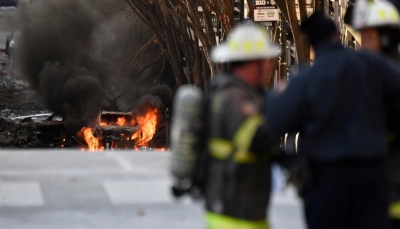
(147, 127)
(93, 143)
(121, 121)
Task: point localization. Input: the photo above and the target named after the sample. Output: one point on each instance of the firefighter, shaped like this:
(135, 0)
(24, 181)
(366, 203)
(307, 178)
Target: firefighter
(339, 107)
(238, 183)
(379, 25)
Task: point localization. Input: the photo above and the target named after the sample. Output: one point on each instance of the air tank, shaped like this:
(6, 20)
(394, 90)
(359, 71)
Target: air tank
(186, 129)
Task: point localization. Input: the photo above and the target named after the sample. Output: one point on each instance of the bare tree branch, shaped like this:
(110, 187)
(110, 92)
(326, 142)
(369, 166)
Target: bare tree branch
(141, 49)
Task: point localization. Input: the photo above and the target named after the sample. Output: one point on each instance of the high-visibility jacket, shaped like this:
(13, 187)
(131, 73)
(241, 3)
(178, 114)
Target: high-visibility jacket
(238, 182)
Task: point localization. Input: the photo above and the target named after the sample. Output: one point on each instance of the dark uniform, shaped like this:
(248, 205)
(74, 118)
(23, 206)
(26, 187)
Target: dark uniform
(389, 37)
(394, 163)
(390, 50)
(238, 185)
(340, 106)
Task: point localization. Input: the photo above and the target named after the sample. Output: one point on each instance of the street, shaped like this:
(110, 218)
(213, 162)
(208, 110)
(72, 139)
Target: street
(112, 189)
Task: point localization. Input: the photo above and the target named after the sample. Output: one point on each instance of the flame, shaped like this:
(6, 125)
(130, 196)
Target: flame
(93, 143)
(121, 121)
(147, 127)
(146, 123)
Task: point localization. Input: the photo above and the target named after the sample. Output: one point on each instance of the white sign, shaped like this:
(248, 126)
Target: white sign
(266, 15)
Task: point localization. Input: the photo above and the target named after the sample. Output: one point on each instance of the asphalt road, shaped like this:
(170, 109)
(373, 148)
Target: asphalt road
(114, 189)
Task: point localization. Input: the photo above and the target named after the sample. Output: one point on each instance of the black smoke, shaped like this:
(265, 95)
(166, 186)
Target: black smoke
(82, 56)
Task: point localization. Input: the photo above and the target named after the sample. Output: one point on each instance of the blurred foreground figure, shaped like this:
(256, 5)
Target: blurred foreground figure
(339, 106)
(379, 24)
(237, 188)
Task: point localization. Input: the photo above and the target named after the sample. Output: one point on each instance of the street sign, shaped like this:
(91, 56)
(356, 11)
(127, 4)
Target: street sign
(265, 11)
(266, 15)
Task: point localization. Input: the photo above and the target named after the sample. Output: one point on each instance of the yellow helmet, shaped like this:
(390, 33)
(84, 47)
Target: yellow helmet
(375, 14)
(245, 42)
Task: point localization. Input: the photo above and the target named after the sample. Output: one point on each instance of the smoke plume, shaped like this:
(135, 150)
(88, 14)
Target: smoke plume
(82, 56)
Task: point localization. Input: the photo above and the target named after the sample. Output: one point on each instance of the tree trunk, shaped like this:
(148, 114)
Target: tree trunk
(306, 45)
(297, 36)
(288, 11)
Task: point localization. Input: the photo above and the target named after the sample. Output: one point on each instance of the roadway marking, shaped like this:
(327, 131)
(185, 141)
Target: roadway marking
(21, 194)
(122, 161)
(61, 172)
(138, 192)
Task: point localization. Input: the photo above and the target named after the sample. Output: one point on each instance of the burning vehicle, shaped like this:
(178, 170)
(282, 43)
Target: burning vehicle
(112, 130)
(122, 130)
(115, 129)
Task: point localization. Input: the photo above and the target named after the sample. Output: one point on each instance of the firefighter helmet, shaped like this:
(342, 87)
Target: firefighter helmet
(375, 14)
(245, 42)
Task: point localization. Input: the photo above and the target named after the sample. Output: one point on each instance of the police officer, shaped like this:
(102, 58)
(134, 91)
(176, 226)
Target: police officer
(238, 184)
(379, 25)
(339, 106)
